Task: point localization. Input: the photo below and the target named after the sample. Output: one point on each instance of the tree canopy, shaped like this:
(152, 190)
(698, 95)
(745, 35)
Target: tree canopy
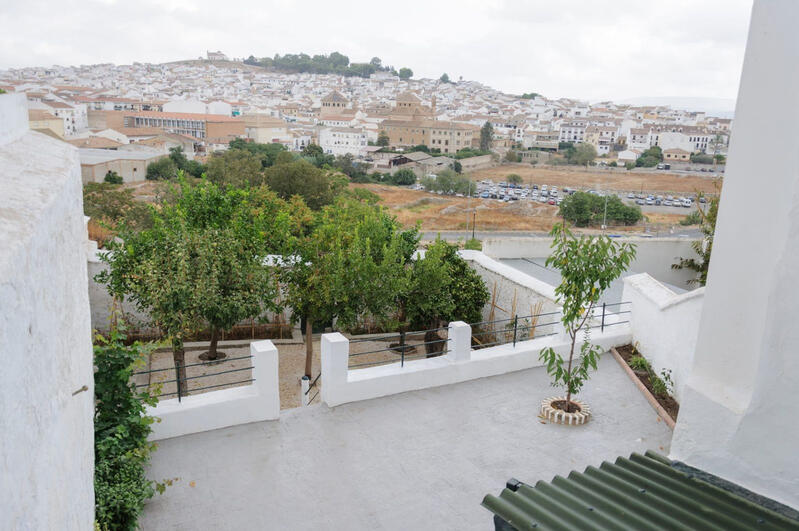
(584, 209)
(317, 187)
(486, 136)
(335, 63)
(405, 73)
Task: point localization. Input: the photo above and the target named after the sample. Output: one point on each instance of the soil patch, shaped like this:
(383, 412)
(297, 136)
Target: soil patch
(667, 402)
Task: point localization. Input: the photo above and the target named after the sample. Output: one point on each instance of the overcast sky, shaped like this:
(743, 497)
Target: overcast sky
(560, 48)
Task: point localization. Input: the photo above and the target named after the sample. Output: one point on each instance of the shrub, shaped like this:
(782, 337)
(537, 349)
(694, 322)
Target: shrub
(162, 170)
(694, 218)
(584, 209)
(638, 363)
(112, 177)
(473, 244)
(121, 427)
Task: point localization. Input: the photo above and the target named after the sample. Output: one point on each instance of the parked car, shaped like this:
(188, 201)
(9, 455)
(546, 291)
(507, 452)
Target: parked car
(631, 196)
(640, 202)
(551, 201)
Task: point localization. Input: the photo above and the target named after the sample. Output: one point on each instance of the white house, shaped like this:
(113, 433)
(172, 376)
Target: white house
(343, 140)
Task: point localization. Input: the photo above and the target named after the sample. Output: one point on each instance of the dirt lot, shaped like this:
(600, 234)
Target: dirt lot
(619, 180)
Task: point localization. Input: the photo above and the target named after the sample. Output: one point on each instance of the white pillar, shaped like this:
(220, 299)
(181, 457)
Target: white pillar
(305, 385)
(265, 373)
(459, 341)
(335, 350)
(738, 416)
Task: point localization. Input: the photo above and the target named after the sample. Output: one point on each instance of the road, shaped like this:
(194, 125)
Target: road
(451, 235)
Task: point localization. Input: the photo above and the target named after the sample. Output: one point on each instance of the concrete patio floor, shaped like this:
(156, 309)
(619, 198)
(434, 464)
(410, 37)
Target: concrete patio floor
(419, 460)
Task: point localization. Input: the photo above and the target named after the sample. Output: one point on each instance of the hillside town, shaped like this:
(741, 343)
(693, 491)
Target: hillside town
(123, 117)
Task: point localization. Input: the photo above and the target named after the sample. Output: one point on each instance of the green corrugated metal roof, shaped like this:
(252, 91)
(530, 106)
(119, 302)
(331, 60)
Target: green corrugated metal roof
(642, 492)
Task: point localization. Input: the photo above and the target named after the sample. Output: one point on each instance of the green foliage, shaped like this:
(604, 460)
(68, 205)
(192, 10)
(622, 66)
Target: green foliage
(403, 177)
(584, 209)
(701, 158)
(444, 78)
(514, 178)
(719, 158)
(162, 170)
(111, 204)
(703, 247)
(315, 186)
(405, 73)
(588, 265)
(335, 63)
(112, 177)
(486, 136)
(582, 155)
(468, 152)
(192, 167)
(121, 427)
(473, 244)
(694, 218)
(449, 182)
(266, 153)
(638, 363)
(530, 95)
(457, 166)
(629, 165)
(613, 164)
(2, 91)
(512, 156)
(650, 158)
(383, 139)
(236, 168)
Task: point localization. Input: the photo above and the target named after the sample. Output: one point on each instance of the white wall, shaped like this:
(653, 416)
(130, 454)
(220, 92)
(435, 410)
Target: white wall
(654, 256)
(256, 402)
(664, 325)
(739, 410)
(461, 363)
(46, 430)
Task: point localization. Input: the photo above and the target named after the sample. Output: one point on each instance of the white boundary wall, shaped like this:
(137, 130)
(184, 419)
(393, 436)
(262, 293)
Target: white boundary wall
(228, 407)
(341, 385)
(664, 325)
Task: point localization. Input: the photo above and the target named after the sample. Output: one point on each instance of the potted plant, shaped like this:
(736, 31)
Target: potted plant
(588, 265)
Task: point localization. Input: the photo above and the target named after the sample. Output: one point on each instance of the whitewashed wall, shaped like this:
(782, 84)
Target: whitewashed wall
(664, 325)
(229, 407)
(46, 429)
(461, 363)
(655, 255)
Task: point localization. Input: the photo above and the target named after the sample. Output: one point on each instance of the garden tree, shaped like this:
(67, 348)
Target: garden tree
(718, 158)
(449, 182)
(112, 177)
(512, 156)
(486, 136)
(421, 147)
(201, 262)
(161, 170)
(345, 266)
(514, 178)
(584, 209)
(403, 177)
(629, 165)
(234, 168)
(112, 205)
(317, 187)
(584, 154)
(383, 139)
(266, 153)
(316, 156)
(312, 150)
(444, 78)
(192, 167)
(457, 166)
(587, 265)
(377, 63)
(405, 73)
(649, 158)
(701, 158)
(703, 247)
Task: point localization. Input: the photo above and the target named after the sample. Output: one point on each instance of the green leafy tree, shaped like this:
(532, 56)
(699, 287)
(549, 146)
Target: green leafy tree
(112, 177)
(486, 136)
(457, 166)
(266, 153)
(405, 73)
(111, 205)
(162, 169)
(192, 167)
(650, 158)
(719, 158)
(236, 168)
(704, 246)
(512, 156)
(583, 155)
(584, 209)
(383, 139)
(121, 428)
(588, 265)
(444, 78)
(315, 186)
(514, 178)
(403, 177)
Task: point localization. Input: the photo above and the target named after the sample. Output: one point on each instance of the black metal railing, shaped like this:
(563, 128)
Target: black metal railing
(194, 374)
(311, 386)
(402, 346)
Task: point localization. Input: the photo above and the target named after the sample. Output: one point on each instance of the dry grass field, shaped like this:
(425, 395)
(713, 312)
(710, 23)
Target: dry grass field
(619, 180)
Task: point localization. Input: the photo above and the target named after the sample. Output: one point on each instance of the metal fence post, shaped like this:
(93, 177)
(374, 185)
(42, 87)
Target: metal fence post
(602, 328)
(305, 386)
(515, 328)
(177, 379)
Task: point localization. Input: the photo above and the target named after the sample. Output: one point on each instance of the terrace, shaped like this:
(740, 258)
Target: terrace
(417, 460)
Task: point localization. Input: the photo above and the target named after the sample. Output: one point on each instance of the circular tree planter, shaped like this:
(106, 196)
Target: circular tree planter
(551, 409)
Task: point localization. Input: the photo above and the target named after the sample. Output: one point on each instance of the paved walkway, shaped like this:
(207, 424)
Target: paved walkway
(419, 460)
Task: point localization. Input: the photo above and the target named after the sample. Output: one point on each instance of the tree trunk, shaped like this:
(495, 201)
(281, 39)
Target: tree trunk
(212, 354)
(308, 346)
(569, 372)
(179, 357)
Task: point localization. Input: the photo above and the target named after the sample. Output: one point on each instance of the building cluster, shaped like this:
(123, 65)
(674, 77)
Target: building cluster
(202, 105)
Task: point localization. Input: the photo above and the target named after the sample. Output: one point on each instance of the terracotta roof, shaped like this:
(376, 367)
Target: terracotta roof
(335, 97)
(97, 142)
